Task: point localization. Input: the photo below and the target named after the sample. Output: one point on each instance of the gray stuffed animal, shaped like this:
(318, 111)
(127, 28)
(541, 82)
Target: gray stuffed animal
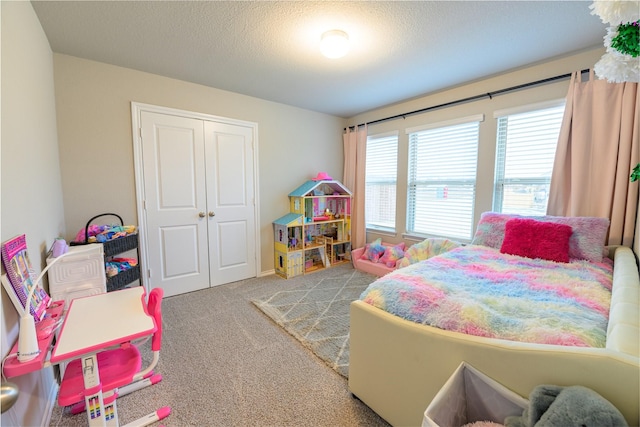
(575, 406)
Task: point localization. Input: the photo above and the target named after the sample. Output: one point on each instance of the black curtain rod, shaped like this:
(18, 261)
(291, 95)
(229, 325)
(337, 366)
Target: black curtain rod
(489, 95)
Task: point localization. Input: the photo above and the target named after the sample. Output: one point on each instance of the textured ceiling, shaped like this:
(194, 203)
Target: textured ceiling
(269, 49)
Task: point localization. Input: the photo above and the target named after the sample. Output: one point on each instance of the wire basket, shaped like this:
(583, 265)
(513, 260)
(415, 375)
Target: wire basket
(114, 246)
(123, 278)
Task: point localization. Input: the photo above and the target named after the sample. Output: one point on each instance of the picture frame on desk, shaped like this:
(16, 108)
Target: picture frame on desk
(17, 264)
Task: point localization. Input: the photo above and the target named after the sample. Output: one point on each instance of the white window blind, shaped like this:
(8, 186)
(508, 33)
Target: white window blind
(525, 151)
(442, 180)
(380, 181)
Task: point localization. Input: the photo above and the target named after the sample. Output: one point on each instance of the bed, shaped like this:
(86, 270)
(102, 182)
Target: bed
(397, 365)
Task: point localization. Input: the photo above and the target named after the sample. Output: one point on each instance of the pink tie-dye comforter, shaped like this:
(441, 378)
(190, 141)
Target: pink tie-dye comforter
(477, 290)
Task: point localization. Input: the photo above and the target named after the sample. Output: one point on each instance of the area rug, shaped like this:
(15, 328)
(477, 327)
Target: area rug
(314, 308)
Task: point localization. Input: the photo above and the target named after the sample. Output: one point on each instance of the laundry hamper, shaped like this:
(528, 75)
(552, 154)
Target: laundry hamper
(469, 396)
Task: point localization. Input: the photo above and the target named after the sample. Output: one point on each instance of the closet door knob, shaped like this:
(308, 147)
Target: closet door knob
(212, 214)
(201, 215)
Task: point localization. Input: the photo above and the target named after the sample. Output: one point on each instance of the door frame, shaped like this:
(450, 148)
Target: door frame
(136, 109)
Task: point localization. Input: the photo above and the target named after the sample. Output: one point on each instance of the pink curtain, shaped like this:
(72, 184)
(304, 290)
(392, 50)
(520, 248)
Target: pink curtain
(355, 144)
(597, 151)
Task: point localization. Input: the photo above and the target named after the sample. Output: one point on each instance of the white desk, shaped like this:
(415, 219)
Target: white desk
(93, 324)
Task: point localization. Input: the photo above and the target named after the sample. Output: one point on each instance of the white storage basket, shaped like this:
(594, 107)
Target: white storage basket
(469, 396)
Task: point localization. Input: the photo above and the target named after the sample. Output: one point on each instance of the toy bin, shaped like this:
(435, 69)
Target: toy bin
(470, 396)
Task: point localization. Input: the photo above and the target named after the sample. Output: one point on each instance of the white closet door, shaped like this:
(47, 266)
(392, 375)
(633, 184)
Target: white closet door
(230, 202)
(175, 202)
(199, 200)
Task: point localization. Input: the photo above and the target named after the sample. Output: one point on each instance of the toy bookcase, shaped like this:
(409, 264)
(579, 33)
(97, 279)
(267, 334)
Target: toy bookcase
(316, 234)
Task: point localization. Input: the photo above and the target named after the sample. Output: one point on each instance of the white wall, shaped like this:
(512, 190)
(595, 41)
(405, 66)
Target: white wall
(96, 149)
(30, 176)
(486, 149)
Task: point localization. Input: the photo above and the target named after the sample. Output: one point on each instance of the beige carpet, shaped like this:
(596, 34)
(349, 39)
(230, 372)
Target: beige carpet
(317, 313)
(224, 363)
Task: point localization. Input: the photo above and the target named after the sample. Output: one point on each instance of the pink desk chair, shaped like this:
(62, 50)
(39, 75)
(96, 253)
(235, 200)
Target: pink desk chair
(120, 368)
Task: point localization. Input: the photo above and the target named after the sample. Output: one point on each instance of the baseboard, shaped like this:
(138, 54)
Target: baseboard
(267, 273)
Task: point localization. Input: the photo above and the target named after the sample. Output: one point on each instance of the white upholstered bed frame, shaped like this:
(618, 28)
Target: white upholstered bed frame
(397, 366)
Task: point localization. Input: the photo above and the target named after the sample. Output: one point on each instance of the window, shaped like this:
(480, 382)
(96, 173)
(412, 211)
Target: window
(380, 181)
(525, 151)
(442, 178)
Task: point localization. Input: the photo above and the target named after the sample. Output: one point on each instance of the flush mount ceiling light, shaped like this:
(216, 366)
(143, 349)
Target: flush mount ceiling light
(334, 44)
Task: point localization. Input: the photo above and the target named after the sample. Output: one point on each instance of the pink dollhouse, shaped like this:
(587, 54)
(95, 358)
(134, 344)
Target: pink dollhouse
(316, 234)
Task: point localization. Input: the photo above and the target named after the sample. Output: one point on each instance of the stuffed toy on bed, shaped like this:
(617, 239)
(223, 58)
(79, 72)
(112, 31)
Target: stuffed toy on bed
(574, 406)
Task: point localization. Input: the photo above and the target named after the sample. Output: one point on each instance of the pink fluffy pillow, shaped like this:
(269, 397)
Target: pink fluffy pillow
(374, 250)
(586, 242)
(392, 254)
(536, 239)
